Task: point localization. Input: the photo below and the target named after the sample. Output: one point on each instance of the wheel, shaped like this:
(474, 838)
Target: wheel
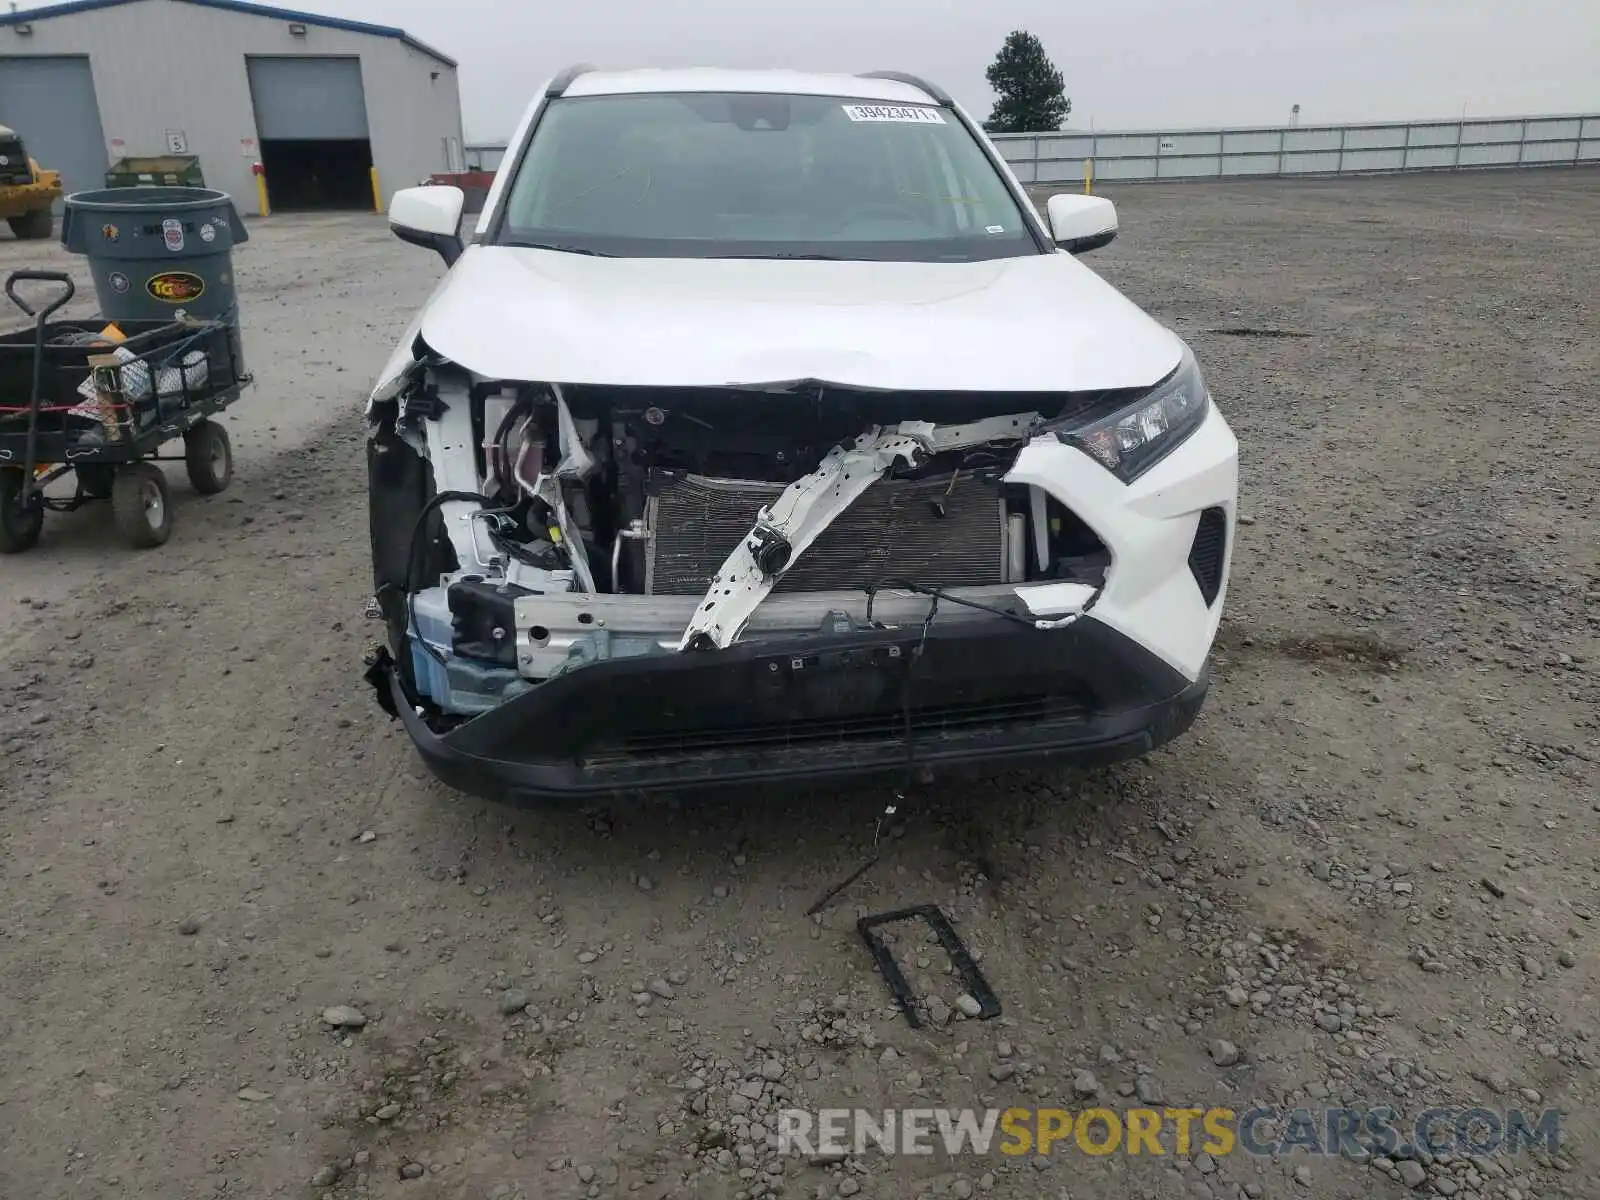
(141, 505)
(95, 480)
(31, 227)
(209, 457)
(19, 523)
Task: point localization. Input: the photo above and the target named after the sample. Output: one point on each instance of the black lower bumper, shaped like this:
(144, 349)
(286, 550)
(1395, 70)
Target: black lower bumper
(813, 707)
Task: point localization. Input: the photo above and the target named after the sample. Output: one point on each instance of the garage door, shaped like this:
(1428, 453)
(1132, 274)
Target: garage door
(300, 99)
(50, 102)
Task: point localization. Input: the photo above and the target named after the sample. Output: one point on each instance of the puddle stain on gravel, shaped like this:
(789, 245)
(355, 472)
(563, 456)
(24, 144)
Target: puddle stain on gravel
(1365, 651)
(1361, 649)
(1254, 331)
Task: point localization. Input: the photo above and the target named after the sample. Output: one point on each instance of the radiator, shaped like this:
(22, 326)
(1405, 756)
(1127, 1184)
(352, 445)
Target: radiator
(894, 530)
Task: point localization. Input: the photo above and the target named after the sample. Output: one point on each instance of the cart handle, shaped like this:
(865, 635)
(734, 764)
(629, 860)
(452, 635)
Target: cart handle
(39, 277)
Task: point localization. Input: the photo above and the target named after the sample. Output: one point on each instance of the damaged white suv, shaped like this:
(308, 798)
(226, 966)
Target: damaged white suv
(763, 431)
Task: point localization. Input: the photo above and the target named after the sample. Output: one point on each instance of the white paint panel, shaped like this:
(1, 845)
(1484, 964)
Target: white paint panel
(1321, 162)
(1435, 135)
(1192, 143)
(1488, 156)
(1250, 164)
(1058, 146)
(1550, 131)
(1312, 139)
(1127, 145)
(1374, 160)
(1125, 168)
(1430, 157)
(1589, 150)
(1476, 133)
(1591, 127)
(1250, 141)
(1549, 152)
(1382, 137)
(1061, 170)
(1196, 166)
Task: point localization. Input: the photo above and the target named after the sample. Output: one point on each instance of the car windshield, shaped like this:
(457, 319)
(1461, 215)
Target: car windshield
(760, 176)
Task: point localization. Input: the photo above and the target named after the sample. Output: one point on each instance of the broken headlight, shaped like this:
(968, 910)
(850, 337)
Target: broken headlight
(1133, 439)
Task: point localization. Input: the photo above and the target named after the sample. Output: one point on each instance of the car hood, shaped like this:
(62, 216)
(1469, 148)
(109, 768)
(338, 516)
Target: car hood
(1039, 323)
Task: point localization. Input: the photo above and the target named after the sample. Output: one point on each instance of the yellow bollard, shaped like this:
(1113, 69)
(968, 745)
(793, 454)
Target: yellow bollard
(261, 194)
(377, 192)
(1088, 176)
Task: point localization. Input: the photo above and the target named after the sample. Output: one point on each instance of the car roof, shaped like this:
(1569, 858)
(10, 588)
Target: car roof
(716, 79)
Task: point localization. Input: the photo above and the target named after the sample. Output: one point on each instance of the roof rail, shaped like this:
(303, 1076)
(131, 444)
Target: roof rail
(563, 81)
(938, 93)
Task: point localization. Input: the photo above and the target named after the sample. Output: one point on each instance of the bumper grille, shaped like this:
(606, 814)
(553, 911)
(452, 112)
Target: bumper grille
(925, 722)
(1207, 553)
(894, 530)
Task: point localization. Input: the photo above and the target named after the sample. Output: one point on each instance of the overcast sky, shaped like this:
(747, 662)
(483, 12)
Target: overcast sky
(1128, 63)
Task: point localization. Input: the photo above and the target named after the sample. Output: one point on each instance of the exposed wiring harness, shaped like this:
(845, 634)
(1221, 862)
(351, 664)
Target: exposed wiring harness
(937, 594)
(411, 558)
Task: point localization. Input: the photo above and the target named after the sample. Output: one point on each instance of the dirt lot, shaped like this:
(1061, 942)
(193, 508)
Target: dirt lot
(1367, 877)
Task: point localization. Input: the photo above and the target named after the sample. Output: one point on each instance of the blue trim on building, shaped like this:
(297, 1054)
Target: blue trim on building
(240, 6)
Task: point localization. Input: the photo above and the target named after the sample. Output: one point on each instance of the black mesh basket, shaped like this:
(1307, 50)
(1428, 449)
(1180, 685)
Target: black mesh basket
(157, 372)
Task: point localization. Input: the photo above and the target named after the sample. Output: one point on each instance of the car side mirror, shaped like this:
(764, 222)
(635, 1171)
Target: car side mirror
(1079, 224)
(431, 217)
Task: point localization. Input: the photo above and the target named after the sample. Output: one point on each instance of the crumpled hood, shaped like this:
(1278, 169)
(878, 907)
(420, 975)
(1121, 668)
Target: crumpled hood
(1039, 323)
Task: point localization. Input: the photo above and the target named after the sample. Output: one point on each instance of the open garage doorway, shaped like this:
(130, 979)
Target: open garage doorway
(311, 123)
(311, 175)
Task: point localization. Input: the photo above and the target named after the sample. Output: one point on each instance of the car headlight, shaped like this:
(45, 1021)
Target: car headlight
(1131, 440)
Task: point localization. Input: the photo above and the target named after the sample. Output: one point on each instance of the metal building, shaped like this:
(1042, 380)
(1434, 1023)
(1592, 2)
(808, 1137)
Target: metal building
(319, 102)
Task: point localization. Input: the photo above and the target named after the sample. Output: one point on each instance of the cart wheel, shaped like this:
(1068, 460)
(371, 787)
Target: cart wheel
(209, 456)
(95, 480)
(19, 523)
(141, 505)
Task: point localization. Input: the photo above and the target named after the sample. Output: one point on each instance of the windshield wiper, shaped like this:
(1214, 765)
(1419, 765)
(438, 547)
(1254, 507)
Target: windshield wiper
(526, 245)
(785, 254)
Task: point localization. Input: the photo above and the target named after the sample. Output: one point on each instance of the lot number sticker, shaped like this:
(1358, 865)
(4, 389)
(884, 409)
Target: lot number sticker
(904, 114)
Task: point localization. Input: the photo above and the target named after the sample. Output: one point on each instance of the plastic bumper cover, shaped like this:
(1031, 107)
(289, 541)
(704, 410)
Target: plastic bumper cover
(805, 708)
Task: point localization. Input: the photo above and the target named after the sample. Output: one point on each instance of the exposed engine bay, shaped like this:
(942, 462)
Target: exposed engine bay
(522, 530)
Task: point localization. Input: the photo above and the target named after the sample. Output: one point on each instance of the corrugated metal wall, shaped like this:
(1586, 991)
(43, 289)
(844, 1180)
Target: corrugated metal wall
(50, 101)
(160, 66)
(1303, 150)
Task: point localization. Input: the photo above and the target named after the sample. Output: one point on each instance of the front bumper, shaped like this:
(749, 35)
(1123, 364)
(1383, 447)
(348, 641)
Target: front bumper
(812, 707)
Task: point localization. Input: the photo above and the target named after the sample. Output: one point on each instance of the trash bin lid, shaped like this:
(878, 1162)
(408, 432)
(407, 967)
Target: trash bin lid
(170, 199)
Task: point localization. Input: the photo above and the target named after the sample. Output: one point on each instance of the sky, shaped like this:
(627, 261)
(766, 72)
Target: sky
(1130, 64)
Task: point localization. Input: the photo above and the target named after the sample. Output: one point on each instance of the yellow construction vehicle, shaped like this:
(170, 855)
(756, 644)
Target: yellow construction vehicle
(27, 191)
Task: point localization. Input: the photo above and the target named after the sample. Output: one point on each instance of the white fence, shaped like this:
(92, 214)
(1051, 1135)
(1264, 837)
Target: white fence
(1303, 150)
(1277, 150)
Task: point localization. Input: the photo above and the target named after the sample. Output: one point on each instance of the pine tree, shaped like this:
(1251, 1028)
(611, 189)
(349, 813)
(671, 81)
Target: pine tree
(1030, 95)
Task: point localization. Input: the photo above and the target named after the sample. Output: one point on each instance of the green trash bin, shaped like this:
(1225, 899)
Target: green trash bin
(156, 252)
(169, 170)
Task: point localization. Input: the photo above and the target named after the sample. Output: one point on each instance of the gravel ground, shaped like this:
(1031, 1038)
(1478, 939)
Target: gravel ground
(249, 949)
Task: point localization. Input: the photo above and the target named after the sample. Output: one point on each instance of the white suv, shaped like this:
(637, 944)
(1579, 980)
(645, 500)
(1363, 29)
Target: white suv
(764, 431)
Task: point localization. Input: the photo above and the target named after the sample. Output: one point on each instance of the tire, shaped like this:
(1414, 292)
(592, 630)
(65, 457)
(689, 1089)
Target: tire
(95, 480)
(141, 505)
(19, 524)
(208, 454)
(34, 226)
